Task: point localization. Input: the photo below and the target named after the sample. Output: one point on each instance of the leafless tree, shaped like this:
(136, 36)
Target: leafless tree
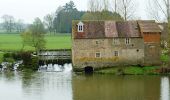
(94, 5)
(48, 21)
(114, 6)
(127, 8)
(19, 25)
(161, 12)
(8, 23)
(159, 9)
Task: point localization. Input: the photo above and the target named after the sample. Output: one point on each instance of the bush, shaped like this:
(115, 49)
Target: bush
(29, 62)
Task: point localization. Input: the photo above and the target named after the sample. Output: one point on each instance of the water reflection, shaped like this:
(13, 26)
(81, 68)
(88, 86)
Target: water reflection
(68, 86)
(108, 87)
(47, 86)
(165, 88)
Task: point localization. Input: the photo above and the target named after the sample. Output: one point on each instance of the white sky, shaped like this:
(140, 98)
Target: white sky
(29, 9)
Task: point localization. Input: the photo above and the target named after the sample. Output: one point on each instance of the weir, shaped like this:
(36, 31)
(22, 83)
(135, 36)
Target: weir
(58, 56)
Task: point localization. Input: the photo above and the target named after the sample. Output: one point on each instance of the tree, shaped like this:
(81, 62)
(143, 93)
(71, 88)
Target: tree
(115, 6)
(8, 22)
(99, 10)
(126, 8)
(19, 26)
(161, 10)
(98, 5)
(48, 21)
(104, 15)
(34, 36)
(64, 16)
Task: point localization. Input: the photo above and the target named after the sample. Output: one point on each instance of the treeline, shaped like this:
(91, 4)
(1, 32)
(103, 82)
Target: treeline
(10, 24)
(61, 20)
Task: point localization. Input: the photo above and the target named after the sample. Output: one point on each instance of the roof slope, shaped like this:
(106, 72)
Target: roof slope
(111, 29)
(128, 29)
(94, 29)
(149, 26)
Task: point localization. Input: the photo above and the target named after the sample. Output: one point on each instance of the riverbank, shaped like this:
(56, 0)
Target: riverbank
(131, 70)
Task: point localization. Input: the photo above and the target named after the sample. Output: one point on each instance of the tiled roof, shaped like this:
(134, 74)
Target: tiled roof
(110, 29)
(128, 29)
(149, 26)
(94, 29)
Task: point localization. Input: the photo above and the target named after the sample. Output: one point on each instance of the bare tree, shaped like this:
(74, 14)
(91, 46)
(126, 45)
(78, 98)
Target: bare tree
(19, 26)
(48, 21)
(160, 10)
(114, 6)
(8, 23)
(94, 5)
(126, 8)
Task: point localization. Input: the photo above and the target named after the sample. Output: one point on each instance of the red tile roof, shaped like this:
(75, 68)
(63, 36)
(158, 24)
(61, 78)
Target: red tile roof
(111, 29)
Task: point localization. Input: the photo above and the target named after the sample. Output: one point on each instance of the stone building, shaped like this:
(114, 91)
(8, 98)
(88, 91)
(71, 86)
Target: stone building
(99, 44)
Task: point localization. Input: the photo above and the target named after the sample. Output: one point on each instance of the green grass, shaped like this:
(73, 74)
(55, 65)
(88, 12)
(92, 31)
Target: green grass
(1, 56)
(131, 70)
(13, 42)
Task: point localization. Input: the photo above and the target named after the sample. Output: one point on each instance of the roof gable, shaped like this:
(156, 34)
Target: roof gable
(80, 23)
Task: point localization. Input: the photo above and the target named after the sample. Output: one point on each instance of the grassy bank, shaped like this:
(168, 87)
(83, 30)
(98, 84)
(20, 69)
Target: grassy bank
(132, 70)
(1, 56)
(13, 42)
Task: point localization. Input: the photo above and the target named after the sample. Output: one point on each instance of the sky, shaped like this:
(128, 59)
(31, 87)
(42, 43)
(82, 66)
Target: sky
(27, 10)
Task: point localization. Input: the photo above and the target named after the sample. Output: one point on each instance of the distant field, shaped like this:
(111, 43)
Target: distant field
(13, 42)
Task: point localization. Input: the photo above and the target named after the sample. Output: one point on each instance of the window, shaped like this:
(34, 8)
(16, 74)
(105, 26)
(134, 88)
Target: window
(80, 27)
(97, 42)
(98, 55)
(115, 41)
(127, 41)
(116, 53)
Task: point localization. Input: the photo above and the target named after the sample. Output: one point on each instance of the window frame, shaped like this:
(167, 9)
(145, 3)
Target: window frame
(127, 41)
(116, 41)
(80, 27)
(116, 53)
(96, 56)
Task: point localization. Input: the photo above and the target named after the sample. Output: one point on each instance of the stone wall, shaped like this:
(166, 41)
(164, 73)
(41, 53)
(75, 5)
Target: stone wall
(152, 54)
(84, 52)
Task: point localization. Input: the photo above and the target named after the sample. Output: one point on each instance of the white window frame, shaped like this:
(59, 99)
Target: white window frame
(116, 53)
(127, 41)
(99, 54)
(80, 27)
(115, 41)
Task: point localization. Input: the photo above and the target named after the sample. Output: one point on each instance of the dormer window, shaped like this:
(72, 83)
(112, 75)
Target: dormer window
(80, 27)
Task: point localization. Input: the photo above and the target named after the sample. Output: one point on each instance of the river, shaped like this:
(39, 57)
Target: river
(67, 85)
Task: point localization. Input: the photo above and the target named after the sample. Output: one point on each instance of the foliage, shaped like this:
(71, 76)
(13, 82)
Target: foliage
(29, 62)
(164, 58)
(35, 35)
(64, 16)
(7, 57)
(1, 56)
(104, 15)
(26, 39)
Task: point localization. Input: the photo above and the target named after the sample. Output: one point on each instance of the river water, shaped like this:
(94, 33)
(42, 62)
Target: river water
(66, 85)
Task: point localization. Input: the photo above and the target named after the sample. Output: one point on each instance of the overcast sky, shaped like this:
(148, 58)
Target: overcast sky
(29, 9)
